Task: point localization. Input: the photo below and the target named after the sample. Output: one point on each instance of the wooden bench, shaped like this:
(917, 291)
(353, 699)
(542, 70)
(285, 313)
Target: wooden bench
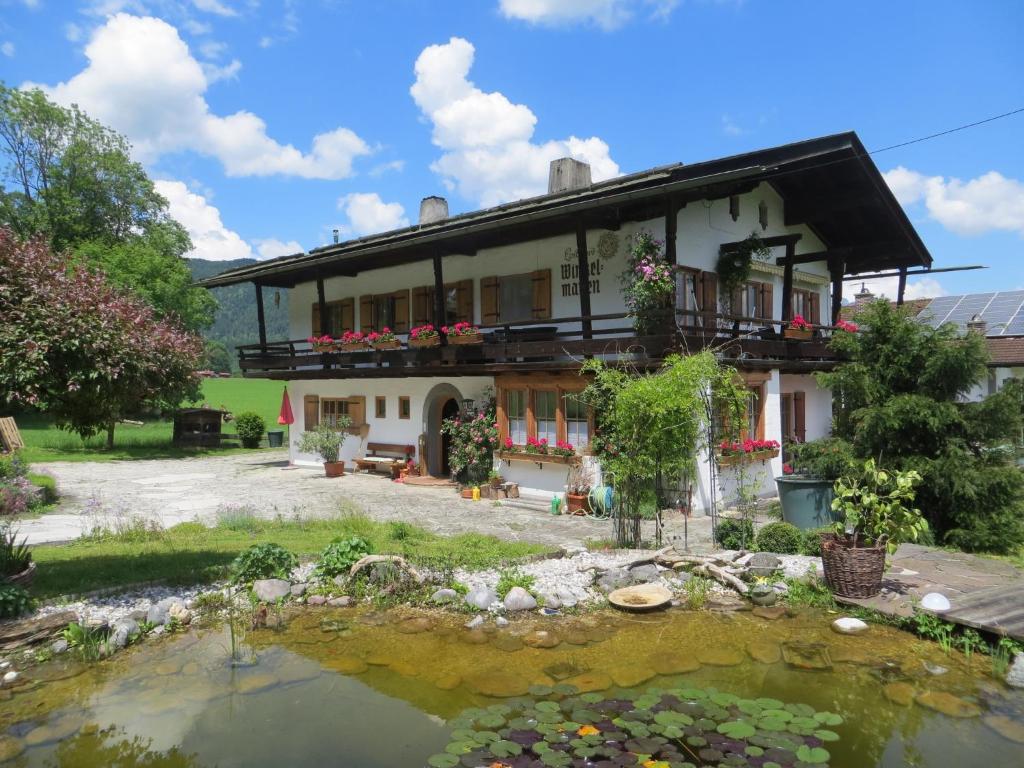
(10, 438)
(386, 458)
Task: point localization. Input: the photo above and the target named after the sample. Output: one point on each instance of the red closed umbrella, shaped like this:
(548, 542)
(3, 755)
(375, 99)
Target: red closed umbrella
(286, 416)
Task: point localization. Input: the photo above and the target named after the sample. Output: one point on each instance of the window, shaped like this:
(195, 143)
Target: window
(807, 305)
(545, 409)
(331, 408)
(751, 424)
(755, 413)
(338, 317)
(753, 299)
(404, 407)
(686, 296)
(458, 303)
(381, 407)
(515, 413)
(577, 421)
(515, 298)
(383, 312)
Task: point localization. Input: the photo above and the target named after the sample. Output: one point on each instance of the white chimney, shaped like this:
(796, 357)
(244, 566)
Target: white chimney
(567, 173)
(433, 209)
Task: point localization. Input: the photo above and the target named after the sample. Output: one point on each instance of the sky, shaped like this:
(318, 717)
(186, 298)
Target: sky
(269, 123)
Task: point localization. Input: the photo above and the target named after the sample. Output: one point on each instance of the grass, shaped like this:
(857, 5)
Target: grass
(191, 553)
(151, 440)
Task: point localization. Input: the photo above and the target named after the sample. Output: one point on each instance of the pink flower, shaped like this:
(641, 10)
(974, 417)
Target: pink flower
(787, 469)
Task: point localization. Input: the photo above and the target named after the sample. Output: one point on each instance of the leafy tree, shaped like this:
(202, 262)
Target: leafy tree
(72, 180)
(218, 358)
(898, 400)
(75, 346)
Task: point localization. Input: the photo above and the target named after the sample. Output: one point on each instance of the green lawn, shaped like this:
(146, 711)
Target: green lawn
(191, 553)
(44, 442)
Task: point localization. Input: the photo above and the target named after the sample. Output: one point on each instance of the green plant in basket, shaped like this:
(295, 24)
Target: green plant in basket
(877, 509)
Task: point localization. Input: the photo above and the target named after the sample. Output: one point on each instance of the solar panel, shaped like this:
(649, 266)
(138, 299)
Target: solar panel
(969, 306)
(1016, 326)
(1002, 310)
(935, 313)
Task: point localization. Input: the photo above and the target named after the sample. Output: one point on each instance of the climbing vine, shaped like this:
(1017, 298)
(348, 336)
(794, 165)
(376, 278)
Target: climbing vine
(648, 284)
(733, 266)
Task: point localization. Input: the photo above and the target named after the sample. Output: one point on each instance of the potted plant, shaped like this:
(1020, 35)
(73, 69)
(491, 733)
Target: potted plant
(250, 427)
(495, 479)
(577, 491)
(386, 339)
(463, 333)
(877, 517)
(424, 336)
(798, 329)
(16, 564)
(326, 442)
(762, 592)
(321, 343)
(805, 486)
(354, 341)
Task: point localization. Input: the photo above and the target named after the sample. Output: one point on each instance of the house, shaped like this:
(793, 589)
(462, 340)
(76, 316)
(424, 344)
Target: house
(542, 278)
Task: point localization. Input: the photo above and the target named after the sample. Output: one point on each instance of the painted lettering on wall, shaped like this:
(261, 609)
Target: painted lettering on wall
(607, 249)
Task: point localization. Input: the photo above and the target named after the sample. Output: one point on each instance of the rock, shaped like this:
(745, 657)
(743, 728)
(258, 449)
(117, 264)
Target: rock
(481, 598)
(518, 599)
(476, 621)
(499, 684)
(10, 677)
(59, 646)
(770, 612)
(341, 580)
(179, 613)
(934, 669)
(14, 634)
(780, 587)
(631, 675)
(563, 670)
(613, 579)
(550, 600)
(403, 668)
(1015, 674)
(340, 602)
(935, 601)
(720, 656)
(10, 748)
(445, 596)
(298, 590)
(900, 692)
(764, 651)
(474, 637)
(727, 603)
(51, 732)
(948, 704)
(590, 682)
(158, 613)
(255, 683)
(672, 663)
(316, 600)
(806, 656)
(644, 574)
(847, 625)
(157, 631)
(122, 631)
(271, 590)
(501, 621)
(1006, 727)
(448, 681)
(415, 626)
(566, 597)
(763, 564)
(506, 642)
(166, 668)
(541, 638)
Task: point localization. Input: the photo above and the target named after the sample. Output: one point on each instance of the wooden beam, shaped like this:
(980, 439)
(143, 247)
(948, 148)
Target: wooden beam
(583, 260)
(901, 290)
(321, 303)
(801, 210)
(852, 253)
(836, 267)
(439, 298)
(771, 242)
(787, 283)
(874, 275)
(261, 320)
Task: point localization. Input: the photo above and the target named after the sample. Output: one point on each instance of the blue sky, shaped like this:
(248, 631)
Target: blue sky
(270, 122)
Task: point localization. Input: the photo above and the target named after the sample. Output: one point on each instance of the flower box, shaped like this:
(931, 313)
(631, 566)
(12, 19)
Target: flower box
(539, 458)
(424, 342)
(798, 334)
(390, 344)
(355, 346)
(467, 338)
(322, 348)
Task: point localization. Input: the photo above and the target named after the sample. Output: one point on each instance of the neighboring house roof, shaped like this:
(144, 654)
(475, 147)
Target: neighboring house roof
(850, 311)
(1006, 351)
(830, 184)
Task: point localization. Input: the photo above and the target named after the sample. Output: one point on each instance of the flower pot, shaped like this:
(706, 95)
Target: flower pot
(467, 493)
(806, 501)
(334, 468)
(578, 503)
(393, 344)
(852, 571)
(322, 348)
(468, 338)
(798, 334)
(275, 438)
(422, 343)
(766, 597)
(23, 579)
(728, 461)
(355, 346)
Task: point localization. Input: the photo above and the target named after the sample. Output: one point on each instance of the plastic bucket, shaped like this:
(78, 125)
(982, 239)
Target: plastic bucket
(806, 501)
(275, 438)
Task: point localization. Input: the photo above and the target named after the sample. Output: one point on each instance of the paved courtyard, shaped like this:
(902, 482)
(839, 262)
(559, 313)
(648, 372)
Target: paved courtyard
(170, 491)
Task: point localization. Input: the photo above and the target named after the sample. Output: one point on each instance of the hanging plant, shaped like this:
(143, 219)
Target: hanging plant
(733, 266)
(648, 284)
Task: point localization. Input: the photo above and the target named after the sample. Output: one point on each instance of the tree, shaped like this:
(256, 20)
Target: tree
(217, 359)
(898, 399)
(72, 180)
(86, 352)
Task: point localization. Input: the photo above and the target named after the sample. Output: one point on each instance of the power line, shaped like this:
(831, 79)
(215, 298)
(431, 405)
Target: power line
(947, 132)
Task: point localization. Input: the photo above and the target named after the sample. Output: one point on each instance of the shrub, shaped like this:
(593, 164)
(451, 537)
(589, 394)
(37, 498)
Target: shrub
(697, 590)
(14, 555)
(339, 556)
(513, 577)
(14, 602)
(810, 543)
(250, 427)
(16, 497)
(325, 441)
(11, 466)
(780, 538)
(263, 561)
(829, 458)
(734, 533)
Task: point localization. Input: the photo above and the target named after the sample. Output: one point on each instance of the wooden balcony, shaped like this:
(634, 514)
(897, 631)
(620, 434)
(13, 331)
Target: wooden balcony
(552, 345)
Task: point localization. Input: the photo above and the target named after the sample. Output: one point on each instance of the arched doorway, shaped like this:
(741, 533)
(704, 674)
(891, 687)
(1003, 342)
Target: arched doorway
(438, 405)
(449, 410)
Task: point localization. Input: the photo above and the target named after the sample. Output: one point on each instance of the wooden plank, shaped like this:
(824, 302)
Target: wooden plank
(999, 610)
(10, 437)
(260, 320)
(583, 262)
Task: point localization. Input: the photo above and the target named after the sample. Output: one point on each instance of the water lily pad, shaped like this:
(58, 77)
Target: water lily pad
(828, 718)
(504, 748)
(737, 729)
(443, 761)
(813, 755)
(461, 747)
(826, 735)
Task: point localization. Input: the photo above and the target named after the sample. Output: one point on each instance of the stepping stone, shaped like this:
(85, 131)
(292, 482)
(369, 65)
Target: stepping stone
(51, 732)
(499, 684)
(670, 663)
(770, 612)
(346, 665)
(256, 683)
(720, 657)
(564, 669)
(541, 638)
(415, 626)
(474, 637)
(899, 693)
(631, 675)
(448, 681)
(764, 651)
(590, 682)
(849, 626)
(404, 668)
(506, 642)
(10, 748)
(806, 656)
(1005, 727)
(948, 704)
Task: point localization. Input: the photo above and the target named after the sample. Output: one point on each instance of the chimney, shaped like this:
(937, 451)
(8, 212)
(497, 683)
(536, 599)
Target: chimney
(335, 237)
(567, 173)
(864, 296)
(433, 209)
(977, 325)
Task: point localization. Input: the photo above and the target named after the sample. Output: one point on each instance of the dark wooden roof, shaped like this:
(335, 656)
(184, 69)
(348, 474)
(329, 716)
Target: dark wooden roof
(829, 183)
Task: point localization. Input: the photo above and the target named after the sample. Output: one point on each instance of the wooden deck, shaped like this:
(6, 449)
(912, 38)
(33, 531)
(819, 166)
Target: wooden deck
(998, 609)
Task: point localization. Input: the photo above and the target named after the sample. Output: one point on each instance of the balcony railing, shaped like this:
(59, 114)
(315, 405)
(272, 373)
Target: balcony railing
(550, 344)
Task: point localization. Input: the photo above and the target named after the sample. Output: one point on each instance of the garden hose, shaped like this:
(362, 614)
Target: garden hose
(601, 502)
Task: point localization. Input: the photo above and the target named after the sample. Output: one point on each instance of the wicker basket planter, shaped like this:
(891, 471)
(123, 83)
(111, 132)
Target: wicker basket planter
(23, 579)
(852, 571)
(798, 334)
(467, 338)
(540, 458)
(323, 348)
(393, 344)
(424, 342)
(355, 346)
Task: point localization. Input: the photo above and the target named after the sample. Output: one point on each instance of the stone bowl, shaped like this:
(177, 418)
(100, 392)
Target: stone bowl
(642, 597)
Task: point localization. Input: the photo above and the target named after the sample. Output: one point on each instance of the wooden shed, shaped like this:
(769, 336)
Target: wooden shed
(199, 427)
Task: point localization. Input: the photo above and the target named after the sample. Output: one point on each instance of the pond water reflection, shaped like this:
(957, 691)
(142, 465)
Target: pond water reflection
(369, 690)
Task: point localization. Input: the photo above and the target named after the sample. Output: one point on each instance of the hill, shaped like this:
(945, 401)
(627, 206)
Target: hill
(235, 323)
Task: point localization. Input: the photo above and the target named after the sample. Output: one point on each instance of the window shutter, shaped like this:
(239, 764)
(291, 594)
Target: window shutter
(357, 410)
(347, 313)
(799, 417)
(366, 313)
(422, 305)
(310, 412)
(489, 301)
(315, 324)
(401, 311)
(707, 296)
(542, 294)
(813, 308)
(464, 301)
(736, 302)
(767, 299)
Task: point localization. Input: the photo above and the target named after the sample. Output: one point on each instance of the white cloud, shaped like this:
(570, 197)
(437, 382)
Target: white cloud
(730, 127)
(395, 165)
(210, 238)
(215, 72)
(368, 214)
(607, 14)
(984, 204)
(215, 7)
(888, 287)
(142, 80)
(7, 48)
(488, 153)
(72, 32)
(271, 248)
(212, 49)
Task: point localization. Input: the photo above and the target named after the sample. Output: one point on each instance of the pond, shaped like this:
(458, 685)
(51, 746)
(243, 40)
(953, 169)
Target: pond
(364, 689)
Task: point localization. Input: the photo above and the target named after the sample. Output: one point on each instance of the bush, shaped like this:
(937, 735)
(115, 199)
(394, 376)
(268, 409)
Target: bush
(14, 602)
(11, 466)
(250, 427)
(829, 458)
(16, 497)
(263, 561)
(14, 555)
(810, 543)
(734, 533)
(325, 441)
(780, 538)
(339, 556)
